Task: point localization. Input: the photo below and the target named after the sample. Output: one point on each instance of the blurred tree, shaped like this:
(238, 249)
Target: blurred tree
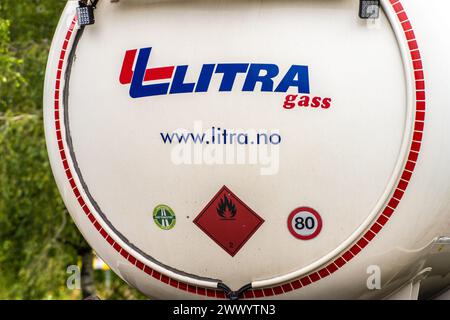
(38, 240)
(10, 78)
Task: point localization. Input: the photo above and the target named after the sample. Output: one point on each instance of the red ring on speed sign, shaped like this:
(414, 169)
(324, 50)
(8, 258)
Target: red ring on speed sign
(311, 213)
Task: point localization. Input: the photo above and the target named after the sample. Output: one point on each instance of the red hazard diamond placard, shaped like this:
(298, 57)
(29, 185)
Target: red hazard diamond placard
(228, 221)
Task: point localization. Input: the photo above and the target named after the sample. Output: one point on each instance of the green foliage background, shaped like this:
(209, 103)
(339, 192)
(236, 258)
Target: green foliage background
(38, 240)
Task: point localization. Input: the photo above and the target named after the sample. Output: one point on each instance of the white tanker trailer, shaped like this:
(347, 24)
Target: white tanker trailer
(257, 149)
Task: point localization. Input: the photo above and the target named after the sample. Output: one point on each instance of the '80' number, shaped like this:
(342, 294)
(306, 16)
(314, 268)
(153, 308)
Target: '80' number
(305, 223)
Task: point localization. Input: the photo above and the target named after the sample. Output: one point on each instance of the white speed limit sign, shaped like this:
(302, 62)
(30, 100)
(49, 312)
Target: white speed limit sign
(305, 223)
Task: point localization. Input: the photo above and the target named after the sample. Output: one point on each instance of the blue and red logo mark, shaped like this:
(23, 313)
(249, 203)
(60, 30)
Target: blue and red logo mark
(172, 79)
(141, 78)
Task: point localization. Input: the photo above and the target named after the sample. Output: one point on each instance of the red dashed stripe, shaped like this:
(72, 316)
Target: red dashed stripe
(124, 253)
(329, 269)
(399, 192)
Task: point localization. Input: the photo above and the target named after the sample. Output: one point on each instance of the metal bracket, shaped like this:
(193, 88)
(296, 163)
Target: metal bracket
(91, 3)
(369, 9)
(233, 295)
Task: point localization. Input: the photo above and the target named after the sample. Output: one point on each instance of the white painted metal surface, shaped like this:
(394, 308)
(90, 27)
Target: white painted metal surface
(370, 152)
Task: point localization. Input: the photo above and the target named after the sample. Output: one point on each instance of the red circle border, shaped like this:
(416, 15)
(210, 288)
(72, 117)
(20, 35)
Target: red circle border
(314, 213)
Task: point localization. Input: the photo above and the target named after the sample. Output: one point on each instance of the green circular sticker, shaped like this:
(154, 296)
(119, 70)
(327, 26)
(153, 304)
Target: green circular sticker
(164, 217)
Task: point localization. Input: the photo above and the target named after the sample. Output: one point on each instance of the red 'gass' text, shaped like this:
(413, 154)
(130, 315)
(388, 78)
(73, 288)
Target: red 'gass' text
(294, 101)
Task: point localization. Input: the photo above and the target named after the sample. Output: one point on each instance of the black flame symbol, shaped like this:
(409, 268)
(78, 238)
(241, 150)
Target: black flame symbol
(226, 208)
